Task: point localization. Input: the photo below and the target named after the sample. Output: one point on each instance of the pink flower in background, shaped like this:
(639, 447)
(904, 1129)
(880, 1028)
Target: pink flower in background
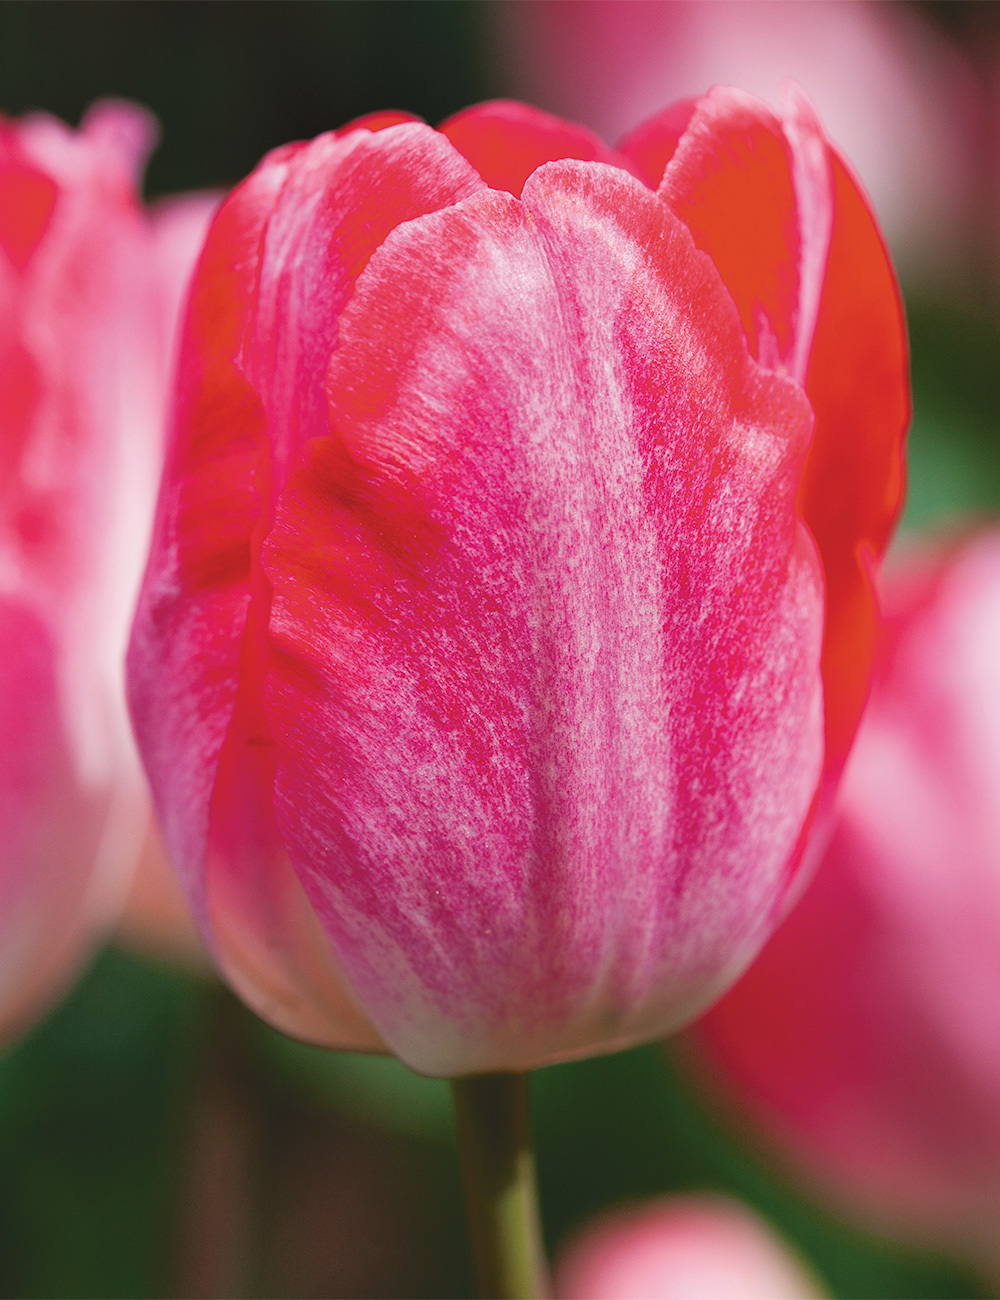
(865, 1036)
(509, 605)
(85, 328)
(682, 1248)
(900, 103)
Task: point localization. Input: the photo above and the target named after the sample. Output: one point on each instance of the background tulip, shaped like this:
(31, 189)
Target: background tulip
(477, 669)
(897, 98)
(681, 1248)
(87, 309)
(864, 1037)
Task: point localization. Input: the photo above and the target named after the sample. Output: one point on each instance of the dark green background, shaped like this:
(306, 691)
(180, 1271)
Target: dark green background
(341, 1176)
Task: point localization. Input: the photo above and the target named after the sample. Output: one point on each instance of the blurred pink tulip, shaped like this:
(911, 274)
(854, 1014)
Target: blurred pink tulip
(900, 102)
(865, 1038)
(87, 301)
(682, 1248)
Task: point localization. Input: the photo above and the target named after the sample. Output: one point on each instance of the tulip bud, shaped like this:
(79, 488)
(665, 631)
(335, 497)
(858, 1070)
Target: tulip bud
(509, 603)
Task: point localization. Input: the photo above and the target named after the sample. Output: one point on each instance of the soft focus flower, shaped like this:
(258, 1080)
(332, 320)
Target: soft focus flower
(901, 103)
(85, 323)
(682, 1248)
(865, 1036)
(480, 668)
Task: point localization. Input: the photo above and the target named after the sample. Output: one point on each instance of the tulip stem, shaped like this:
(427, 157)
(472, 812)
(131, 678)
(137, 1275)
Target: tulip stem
(498, 1167)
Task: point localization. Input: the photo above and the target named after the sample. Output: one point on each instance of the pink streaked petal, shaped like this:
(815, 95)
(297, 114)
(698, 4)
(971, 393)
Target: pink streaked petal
(341, 197)
(739, 157)
(565, 678)
(506, 141)
(278, 267)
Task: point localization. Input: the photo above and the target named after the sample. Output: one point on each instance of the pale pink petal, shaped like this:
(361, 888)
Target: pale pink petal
(682, 1248)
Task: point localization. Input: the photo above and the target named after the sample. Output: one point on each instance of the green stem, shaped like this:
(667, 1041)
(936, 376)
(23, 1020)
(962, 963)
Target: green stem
(498, 1167)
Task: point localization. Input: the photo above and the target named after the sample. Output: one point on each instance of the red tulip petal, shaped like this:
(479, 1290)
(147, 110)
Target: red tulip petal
(755, 193)
(836, 324)
(653, 143)
(506, 141)
(545, 631)
(854, 482)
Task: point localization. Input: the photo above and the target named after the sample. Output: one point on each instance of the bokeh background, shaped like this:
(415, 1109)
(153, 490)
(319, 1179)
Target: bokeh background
(154, 1138)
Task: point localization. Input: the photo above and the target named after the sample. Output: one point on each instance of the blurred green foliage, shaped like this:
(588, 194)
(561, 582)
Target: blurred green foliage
(99, 1147)
(350, 1160)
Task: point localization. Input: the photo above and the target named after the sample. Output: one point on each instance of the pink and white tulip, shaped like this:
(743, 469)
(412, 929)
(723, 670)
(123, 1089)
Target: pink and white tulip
(510, 597)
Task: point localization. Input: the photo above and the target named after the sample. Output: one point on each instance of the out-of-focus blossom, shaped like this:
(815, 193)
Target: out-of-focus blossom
(865, 1036)
(901, 103)
(516, 536)
(85, 327)
(682, 1248)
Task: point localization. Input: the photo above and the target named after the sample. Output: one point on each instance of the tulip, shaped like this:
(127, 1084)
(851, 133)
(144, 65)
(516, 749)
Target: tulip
(682, 1248)
(864, 1039)
(86, 308)
(510, 598)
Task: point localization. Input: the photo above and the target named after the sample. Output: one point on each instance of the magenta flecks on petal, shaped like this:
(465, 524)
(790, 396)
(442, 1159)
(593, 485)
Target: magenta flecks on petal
(342, 197)
(545, 633)
(261, 329)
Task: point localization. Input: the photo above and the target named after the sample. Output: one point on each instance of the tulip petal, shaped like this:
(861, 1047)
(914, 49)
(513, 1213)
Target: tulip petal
(506, 141)
(817, 295)
(653, 143)
(279, 264)
(736, 156)
(545, 631)
(854, 482)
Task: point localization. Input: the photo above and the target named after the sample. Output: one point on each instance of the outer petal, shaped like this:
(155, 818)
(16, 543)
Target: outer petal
(279, 264)
(854, 481)
(543, 757)
(682, 1248)
(506, 141)
(818, 297)
(864, 1037)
